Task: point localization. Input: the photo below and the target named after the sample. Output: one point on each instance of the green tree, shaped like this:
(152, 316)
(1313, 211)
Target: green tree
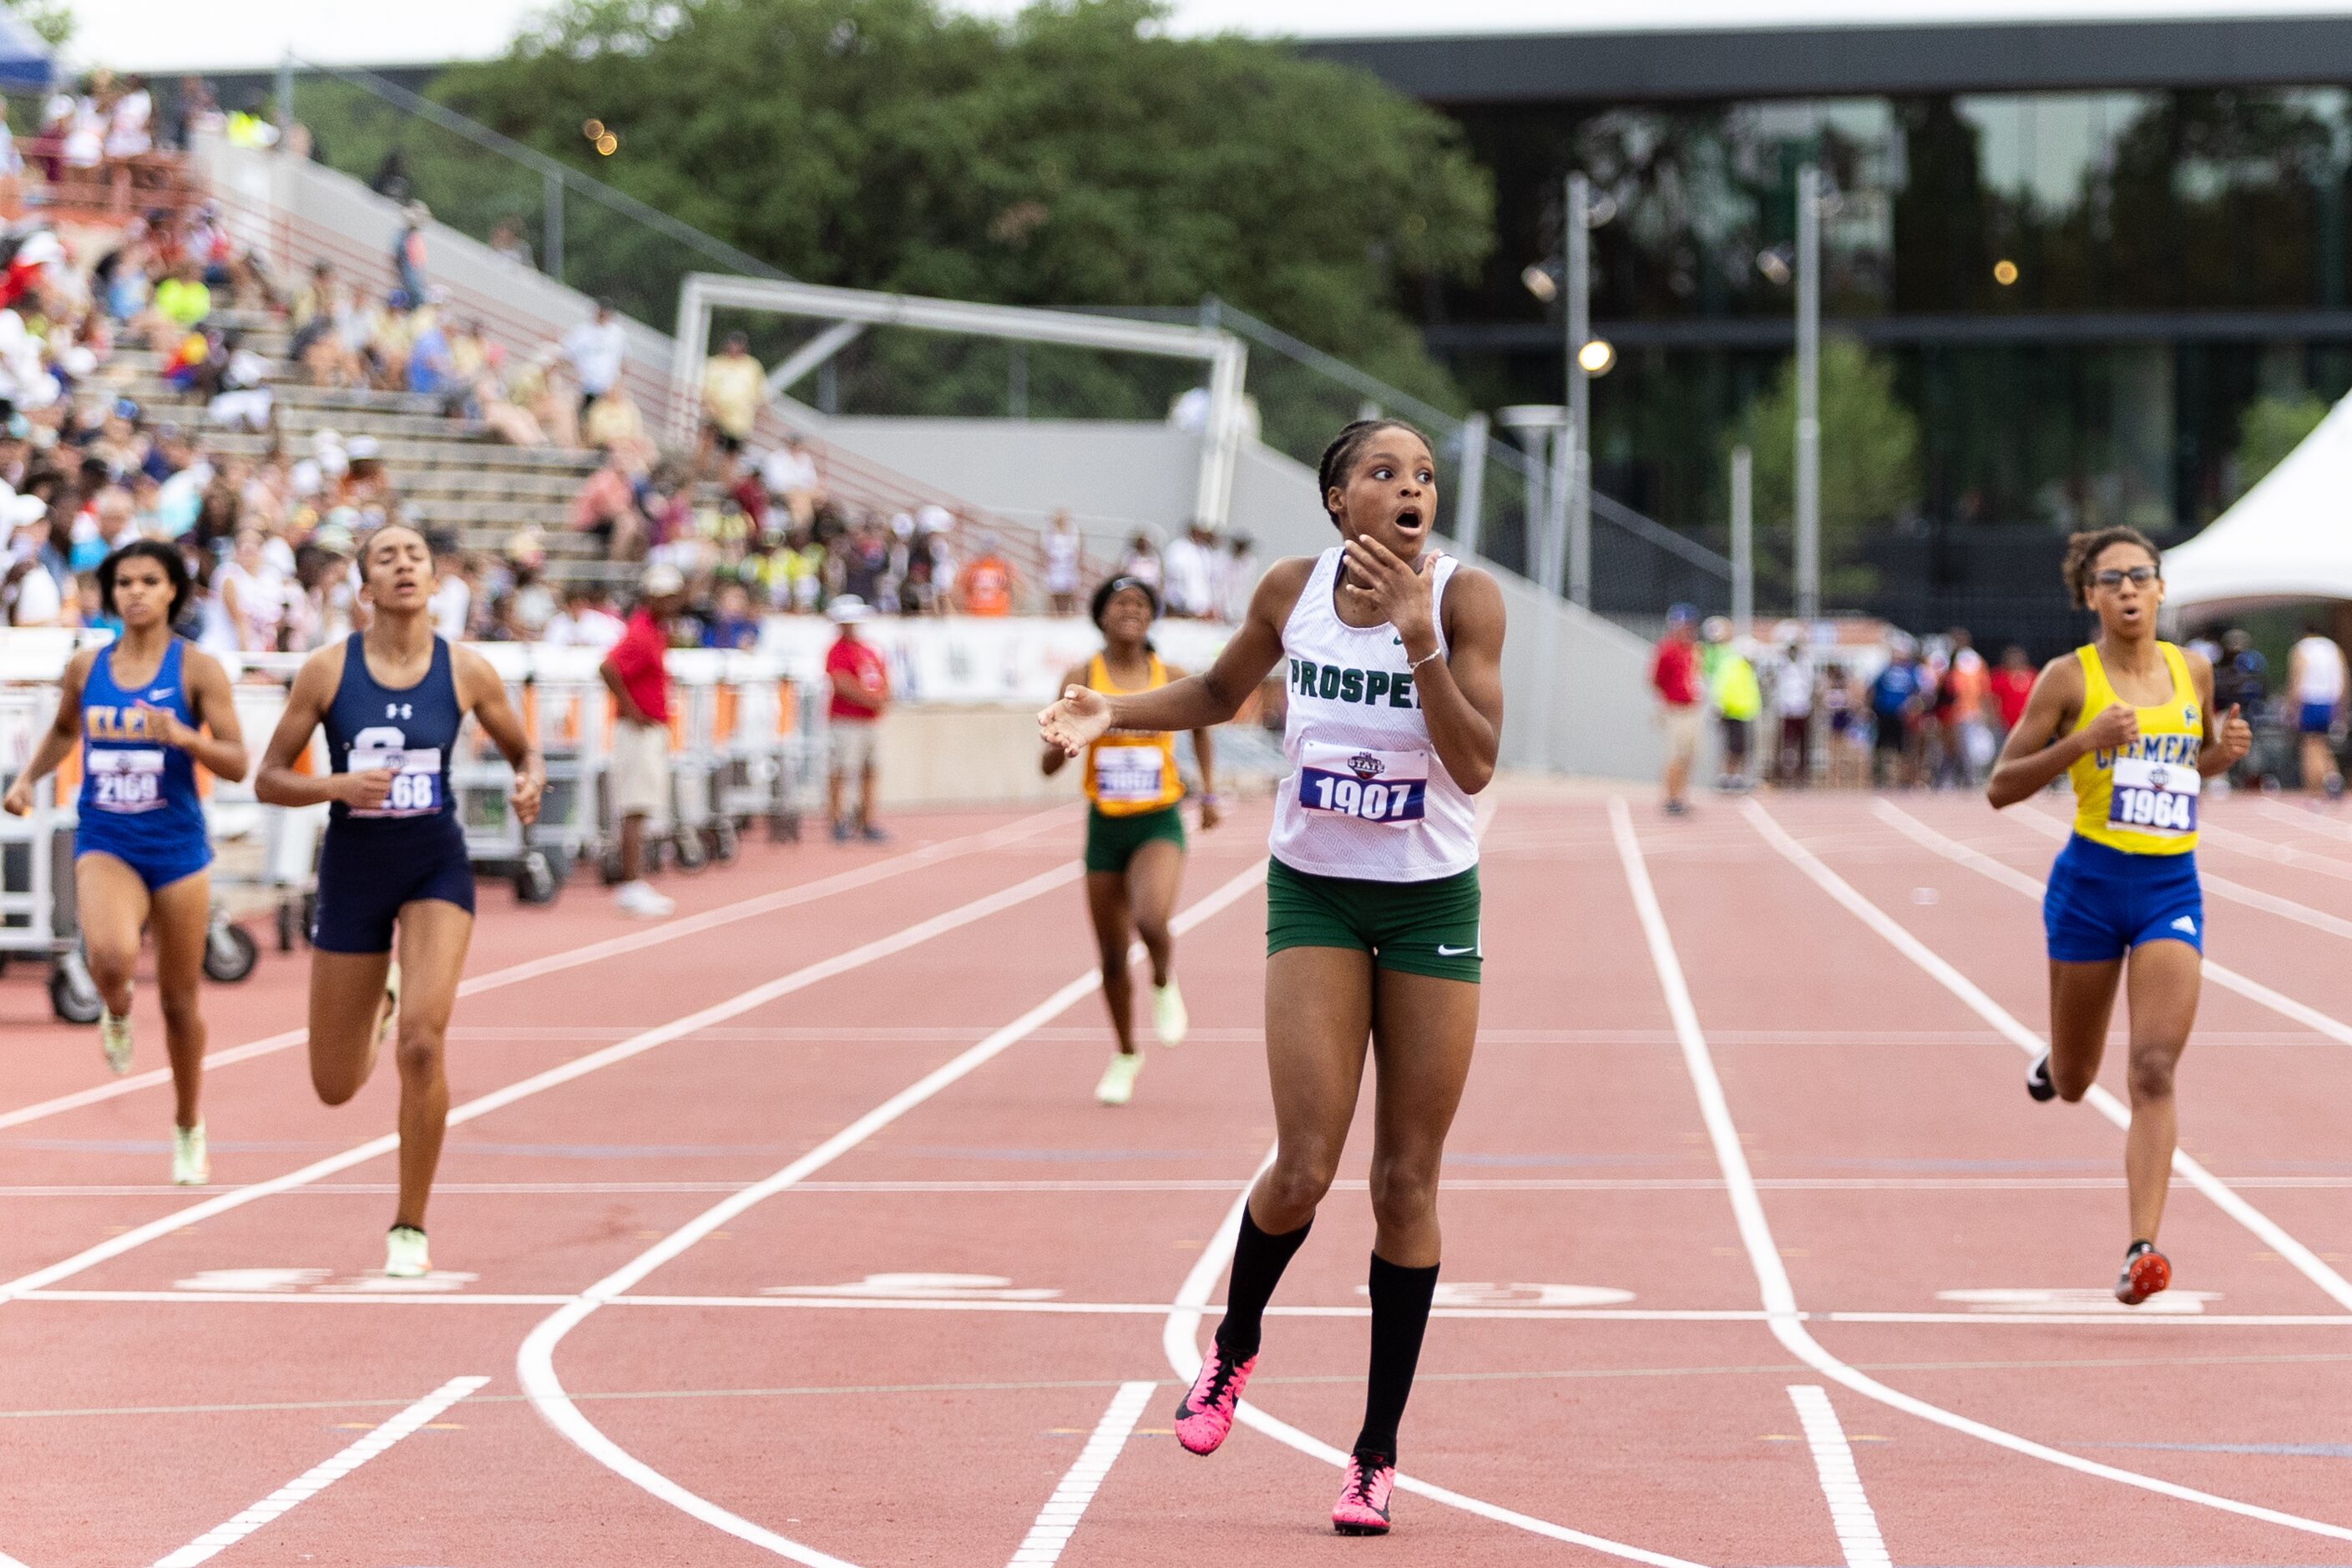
(1870, 462)
(2271, 427)
(51, 20)
(1074, 154)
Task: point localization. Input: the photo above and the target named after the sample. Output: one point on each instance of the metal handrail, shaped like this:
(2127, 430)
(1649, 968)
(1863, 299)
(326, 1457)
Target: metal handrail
(531, 158)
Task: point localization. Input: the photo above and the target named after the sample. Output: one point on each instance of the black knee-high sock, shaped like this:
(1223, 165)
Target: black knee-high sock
(1401, 1299)
(1258, 1262)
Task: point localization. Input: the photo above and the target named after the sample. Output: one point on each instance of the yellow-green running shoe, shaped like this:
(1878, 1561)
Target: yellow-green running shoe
(1118, 1085)
(405, 1257)
(114, 1039)
(192, 1164)
(1169, 1019)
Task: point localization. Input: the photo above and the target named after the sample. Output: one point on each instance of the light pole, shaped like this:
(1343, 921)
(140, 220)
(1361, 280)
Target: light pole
(1577, 459)
(1809, 393)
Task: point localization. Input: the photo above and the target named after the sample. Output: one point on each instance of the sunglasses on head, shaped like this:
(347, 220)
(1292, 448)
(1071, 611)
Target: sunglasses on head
(2116, 577)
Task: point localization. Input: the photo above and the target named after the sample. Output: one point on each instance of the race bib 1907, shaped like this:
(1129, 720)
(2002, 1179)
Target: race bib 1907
(1130, 775)
(127, 779)
(2153, 797)
(416, 779)
(1371, 786)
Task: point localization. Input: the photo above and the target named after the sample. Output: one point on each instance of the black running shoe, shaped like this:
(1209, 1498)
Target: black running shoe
(2037, 1080)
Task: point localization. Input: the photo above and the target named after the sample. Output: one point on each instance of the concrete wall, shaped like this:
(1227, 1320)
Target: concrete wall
(1576, 686)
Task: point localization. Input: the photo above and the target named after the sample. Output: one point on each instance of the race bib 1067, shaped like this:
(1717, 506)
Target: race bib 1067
(127, 779)
(1371, 786)
(2153, 797)
(416, 779)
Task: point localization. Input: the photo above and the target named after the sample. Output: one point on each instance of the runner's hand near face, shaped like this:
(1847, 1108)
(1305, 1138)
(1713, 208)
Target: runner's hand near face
(1077, 720)
(1378, 583)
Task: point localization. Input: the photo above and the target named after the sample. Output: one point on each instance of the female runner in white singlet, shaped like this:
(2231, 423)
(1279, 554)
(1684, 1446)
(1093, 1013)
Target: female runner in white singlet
(1394, 721)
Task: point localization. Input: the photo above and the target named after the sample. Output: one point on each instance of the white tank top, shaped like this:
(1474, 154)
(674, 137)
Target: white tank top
(1367, 796)
(2323, 670)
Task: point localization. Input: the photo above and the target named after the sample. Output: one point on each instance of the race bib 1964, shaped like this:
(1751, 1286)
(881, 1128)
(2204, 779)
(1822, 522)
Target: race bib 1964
(2153, 797)
(127, 779)
(1371, 786)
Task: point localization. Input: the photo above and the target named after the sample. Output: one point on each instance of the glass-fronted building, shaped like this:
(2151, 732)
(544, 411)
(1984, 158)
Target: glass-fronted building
(2080, 253)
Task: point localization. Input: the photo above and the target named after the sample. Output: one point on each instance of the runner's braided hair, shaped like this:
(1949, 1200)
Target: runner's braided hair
(2083, 552)
(1340, 455)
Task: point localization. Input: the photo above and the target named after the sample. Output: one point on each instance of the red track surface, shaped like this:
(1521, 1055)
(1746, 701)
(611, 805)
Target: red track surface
(1894, 1154)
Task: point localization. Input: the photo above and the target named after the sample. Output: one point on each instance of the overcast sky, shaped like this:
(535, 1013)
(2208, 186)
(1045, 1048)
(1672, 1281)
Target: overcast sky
(159, 34)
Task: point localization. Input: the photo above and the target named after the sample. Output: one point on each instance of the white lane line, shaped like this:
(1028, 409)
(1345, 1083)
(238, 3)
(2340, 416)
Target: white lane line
(319, 1477)
(2117, 1319)
(2326, 826)
(2306, 1262)
(2191, 1170)
(1179, 1340)
(579, 1066)
(2246, 844)
(8, 1561)
(2229, 979)
(535, 1360)
(578, 957)
(1850, 1511)
(1779, 1297)
(2236, 892)
(1058, 1519)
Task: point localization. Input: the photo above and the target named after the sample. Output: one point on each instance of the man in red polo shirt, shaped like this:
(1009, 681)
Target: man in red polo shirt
(861, 690)
(634, 673)
(1675, 673)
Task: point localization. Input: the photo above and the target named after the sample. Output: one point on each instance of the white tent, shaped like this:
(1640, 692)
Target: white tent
(2287, 541)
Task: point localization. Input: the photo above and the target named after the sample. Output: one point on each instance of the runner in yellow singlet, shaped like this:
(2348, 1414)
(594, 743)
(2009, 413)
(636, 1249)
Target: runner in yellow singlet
(2129, 721)
(1134, 826)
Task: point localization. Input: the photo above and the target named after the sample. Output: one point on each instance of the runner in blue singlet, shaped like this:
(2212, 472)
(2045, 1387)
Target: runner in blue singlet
(140, 710)
(392, 699)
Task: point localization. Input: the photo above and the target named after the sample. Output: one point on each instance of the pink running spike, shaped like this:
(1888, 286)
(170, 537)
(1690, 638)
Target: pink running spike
(1206, 1414)
(1363, 1505)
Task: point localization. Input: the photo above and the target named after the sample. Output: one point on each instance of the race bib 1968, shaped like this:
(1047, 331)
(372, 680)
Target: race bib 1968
(2153, 797)
(127, 779)
(416, 779)
(1371, 786)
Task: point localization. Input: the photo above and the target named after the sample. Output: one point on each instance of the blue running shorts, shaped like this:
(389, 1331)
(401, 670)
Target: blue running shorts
(2103, 901)
(365, 877)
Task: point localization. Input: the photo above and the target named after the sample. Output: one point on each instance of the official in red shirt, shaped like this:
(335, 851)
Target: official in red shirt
(1675, 674)
(635, 674)
(2012, 683)
(861, 691)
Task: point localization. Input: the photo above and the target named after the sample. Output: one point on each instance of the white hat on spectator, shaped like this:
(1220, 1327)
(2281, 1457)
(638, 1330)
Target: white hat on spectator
(334, 535)
(848, 609)
(79, 361)
(662, 578)
(363, 448)
(16, 511)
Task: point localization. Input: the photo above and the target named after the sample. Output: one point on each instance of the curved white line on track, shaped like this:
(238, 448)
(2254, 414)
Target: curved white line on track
(535, 1360)
(578, 1067)
(1779, 1295)
(1179, 1338)
(579, 957)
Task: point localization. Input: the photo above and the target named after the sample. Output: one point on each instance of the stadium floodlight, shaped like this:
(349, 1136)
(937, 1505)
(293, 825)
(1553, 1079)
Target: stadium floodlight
(1542, 280)
(2004, 272)
(1774, 265)
(1597, 357)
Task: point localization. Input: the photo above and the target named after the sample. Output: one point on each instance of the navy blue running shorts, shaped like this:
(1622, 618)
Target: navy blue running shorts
(363, 880)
